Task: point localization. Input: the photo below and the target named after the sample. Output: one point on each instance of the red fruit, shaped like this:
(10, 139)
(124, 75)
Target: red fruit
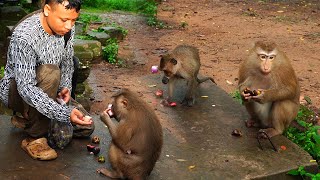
(96, 150)
(90, 147)
(159, 93)
(173, 104)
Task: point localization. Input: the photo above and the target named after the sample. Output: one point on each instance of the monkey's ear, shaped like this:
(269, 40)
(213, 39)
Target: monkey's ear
(173, 61)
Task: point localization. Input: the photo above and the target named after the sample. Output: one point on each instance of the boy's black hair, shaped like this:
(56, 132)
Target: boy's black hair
(73, 4)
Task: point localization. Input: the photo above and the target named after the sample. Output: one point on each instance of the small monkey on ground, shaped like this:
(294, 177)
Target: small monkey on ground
(269, 88)
(136, 138)
(183, 62)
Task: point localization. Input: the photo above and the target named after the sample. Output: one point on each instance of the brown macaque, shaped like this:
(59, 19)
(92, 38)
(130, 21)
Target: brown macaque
(182, 62)
(269, 88)
(136, 138)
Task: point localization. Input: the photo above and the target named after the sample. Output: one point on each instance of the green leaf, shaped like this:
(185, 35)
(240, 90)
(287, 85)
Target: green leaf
(293, 172)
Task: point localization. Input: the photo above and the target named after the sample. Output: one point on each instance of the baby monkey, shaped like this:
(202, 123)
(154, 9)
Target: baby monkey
(136, 138)
(183, 62)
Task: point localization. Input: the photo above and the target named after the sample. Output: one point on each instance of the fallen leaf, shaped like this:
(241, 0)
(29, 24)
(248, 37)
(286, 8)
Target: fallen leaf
(191, 167)
(181, 160)
(308, 99)
(229, 82)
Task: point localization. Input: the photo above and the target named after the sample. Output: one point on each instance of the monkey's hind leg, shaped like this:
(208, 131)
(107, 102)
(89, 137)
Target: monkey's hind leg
(189, 99)
(282, 114)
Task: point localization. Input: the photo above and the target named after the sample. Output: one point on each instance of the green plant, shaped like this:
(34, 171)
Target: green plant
(237, 96)
(154, 22)
(308, 139)
(110, 51)
(123, 5)
(86, 19)
(1, 72)
(303, 173)
(122, 29)
(183, 24)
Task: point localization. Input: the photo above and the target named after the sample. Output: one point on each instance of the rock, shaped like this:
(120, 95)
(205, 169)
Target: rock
(80, 28)
(92, 45)
(12, 13)
(100, 36)
(113, 32)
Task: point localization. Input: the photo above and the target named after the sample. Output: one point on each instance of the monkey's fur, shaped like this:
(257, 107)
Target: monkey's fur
(136, 140)
(269, 70)
(182, 62)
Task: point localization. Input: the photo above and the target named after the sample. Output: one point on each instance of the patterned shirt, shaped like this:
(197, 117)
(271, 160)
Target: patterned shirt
(30, 46)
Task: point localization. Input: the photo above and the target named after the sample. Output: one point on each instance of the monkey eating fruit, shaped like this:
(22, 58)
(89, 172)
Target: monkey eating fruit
(252, 93)
(183, 62)
(275, 103)
(136, 138)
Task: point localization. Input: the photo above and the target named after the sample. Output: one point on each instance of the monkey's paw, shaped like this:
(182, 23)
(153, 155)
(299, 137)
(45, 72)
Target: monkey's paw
(268, 133)
(104, 171)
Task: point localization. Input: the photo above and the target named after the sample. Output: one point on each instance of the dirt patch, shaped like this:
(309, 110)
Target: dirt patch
(223, 31)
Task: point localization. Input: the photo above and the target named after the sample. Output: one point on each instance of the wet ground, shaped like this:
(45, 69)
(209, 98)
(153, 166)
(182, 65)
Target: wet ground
(197, 145)
(197, 141)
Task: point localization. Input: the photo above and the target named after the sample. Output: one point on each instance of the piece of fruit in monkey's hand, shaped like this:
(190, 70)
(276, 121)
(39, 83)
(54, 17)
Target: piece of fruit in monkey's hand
(109, 111)
(256, 92)
(95, 140)
(252, 93)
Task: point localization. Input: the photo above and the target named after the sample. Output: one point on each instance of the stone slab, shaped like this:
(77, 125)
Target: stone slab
(198, 145)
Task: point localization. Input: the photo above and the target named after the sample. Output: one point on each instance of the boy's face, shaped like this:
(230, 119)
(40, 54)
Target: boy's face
(59, 19)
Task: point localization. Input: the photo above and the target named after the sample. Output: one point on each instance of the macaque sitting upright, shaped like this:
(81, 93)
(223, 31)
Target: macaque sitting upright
(136, 138)
(270, 89)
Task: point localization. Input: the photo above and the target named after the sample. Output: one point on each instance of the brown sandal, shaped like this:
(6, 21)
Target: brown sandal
(39, 149)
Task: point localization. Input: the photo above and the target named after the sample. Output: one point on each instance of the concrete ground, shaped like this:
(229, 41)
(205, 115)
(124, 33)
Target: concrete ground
(204, 149)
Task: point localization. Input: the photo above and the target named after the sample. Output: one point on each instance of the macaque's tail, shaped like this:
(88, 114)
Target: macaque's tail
(205, 79)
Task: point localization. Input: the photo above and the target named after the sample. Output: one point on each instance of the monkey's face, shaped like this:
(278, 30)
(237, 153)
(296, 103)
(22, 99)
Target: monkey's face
(119, 107)
(168, 66)
(266, 60)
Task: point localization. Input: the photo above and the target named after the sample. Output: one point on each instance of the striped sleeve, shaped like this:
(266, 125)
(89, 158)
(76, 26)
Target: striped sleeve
(67, 64)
